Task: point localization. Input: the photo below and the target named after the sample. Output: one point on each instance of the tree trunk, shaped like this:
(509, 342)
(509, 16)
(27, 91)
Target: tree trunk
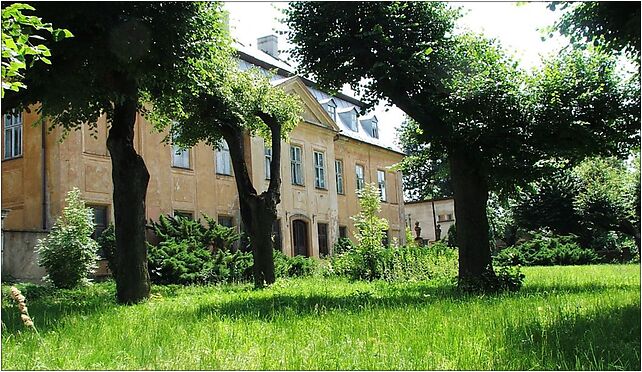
(257, 224)
(471, 195)
(257, 211)
(130, 179)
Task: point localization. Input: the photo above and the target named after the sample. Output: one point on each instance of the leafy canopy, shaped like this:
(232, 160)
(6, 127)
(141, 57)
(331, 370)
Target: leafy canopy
(129, 51)
(613, 25)
(21, 43)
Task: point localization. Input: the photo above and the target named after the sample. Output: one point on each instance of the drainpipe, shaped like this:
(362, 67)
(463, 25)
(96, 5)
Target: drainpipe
(43, 159)
(434, 219)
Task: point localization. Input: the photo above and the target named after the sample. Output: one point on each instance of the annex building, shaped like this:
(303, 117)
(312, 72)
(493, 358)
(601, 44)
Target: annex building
(332, 153)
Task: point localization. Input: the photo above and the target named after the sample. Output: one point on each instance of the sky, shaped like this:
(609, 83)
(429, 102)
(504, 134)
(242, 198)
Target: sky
(515, 25)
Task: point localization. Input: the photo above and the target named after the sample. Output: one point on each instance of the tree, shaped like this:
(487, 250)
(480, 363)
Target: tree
(425, 173)
(69, 253)
(614, 25)
(19, 48)
(227, 105)
(590, 200)
(129, 55)
(470, 100)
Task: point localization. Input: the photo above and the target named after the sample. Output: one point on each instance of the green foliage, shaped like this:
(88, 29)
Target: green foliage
(369, 230)
(451, 238)
(210, 234)
(291, 267)
(21, 43)
(437, 262)
(129, 51)
(594, 200)
(107, 243)
(343, 245)
(506, 278)
(68, 252)
(545, 250)
(613, 25)
(190, 252)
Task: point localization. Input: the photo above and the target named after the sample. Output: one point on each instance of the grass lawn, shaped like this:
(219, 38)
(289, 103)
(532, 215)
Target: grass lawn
(583, 317)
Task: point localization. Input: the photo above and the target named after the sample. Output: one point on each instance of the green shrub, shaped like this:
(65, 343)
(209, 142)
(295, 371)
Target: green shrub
(68, 252)
(506, 278)
(410, 263)
(369, 233)
(107, 243)
(545, 249)
(343, 245)
(190, 252)
(290, 267)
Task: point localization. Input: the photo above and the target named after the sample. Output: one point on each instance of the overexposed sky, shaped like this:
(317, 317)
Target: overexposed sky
(515, 25)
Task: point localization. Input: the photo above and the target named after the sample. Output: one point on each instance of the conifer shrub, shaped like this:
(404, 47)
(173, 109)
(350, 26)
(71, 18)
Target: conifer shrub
(189, 252)
(546, 249)
(68, 253)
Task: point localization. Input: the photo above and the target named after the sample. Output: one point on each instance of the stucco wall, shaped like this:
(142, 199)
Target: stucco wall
(19, 259)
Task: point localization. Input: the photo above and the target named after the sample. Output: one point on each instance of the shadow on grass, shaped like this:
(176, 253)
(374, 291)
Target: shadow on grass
(48, 307)
(606, 340)
(267, 308)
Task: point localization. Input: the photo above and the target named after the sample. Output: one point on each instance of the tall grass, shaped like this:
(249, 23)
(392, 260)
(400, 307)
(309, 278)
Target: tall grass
(564, 318)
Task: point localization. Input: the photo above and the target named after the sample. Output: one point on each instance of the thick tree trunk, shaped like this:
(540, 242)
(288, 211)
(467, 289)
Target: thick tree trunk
(257, 211)
(258, 219)
(130, 179)
(471, 195)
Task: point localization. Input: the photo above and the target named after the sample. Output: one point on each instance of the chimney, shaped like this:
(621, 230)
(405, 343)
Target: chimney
(269, 44)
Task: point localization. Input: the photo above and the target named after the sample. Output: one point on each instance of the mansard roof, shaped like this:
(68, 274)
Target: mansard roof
(249, 57)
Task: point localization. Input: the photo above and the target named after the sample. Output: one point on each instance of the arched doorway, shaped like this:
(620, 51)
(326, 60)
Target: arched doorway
(300, 238)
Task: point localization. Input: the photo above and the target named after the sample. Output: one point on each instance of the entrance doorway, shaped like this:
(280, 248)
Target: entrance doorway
(300, 237)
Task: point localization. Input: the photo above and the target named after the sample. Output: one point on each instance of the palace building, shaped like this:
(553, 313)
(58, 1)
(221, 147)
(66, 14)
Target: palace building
(331, 154)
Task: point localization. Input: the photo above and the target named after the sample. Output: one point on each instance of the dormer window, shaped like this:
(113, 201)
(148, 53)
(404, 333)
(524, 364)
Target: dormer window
(352, 122)
(332, 110)
(349, 118)
(330, 107)
(374, 128)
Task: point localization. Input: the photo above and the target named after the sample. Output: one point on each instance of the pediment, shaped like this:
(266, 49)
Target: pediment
(313, 112)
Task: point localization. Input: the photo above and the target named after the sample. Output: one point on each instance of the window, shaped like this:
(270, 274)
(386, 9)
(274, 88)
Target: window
(322, 229)
(180, 157)
(100, 219)
(338, 167)
(352, 121)
(381, 180)
(331, 108)
(276, 233)
(319, 170)
(295, 160)
(223, 160)
(374, 127)
(13, 134)
(226, 221)
(188, 215)
(445, 217)
(343, 232)
(360, 179)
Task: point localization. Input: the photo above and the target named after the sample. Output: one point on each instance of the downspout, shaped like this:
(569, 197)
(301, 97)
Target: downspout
(434, 219)
(43, 159)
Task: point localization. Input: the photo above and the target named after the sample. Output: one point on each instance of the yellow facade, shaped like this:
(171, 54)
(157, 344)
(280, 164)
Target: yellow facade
(82, 160)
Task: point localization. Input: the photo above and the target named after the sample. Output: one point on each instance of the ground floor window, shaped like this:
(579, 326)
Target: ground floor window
(226, 221)
(276, 233)
(322, 229)
(343, 232)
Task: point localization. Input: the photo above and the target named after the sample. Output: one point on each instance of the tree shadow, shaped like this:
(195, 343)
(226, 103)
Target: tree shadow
(49, 307)
(268, 308)
(605, 340)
